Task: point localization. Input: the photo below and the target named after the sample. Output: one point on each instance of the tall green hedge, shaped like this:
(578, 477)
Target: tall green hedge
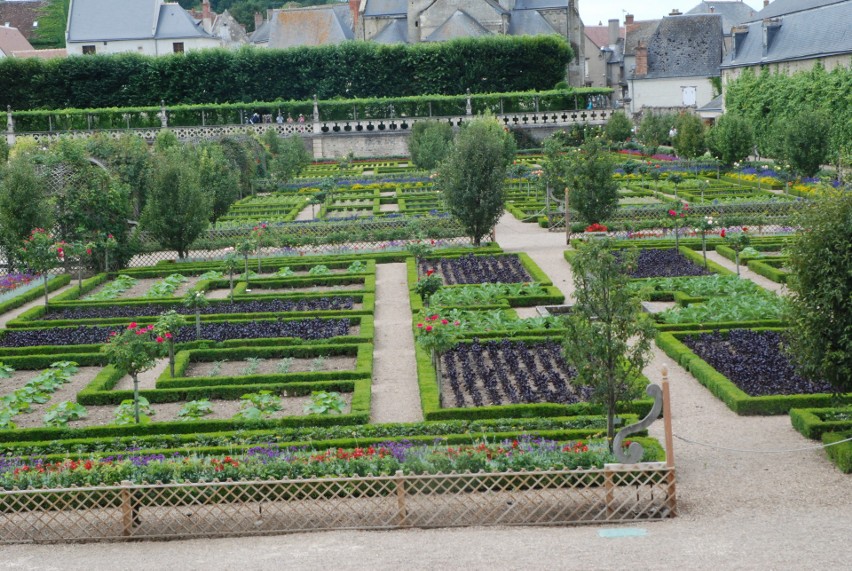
(350, 69)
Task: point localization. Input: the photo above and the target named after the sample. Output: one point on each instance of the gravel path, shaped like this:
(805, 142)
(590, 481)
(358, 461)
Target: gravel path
(737, 510)
(14, 313)
(763, 282)
(395, 394)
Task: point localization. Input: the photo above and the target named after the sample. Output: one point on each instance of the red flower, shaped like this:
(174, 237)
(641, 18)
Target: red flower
(444, 322)
(745, 229)
(132, 325)
(168, 335)
(430, 272)
(672, 213)
(722, 233)
(420, 325)
(159, 339)
(89, 251)
(456, 323)
(428, 328)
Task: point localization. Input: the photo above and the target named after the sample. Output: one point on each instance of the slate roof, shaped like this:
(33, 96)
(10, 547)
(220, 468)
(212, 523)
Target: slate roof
(21, 15)
(529, 23)
(714, 104)
(732, 13)
(317, 26)
(781, 7)
(459, 25)
(810, 34)
(685, 46)
(110, 20)
(396, 32)
(639, 31)
(540, 4)
(386, 8)
(261, 34)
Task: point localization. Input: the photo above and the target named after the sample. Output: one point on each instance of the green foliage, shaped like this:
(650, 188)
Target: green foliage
(128, 159)
(218, 179)
(5, 370)
(485, 65)
(23, 204)
(125, 413)
(430, 143)
(608, 338)
(283, 366)
(356, 267)
(821, 292)
(165, 140)
(689, 141)
(319, 270)
(436, 334)
(593, 191)
(257, 406)
(619, 127)
(427, 286)
(178, 208)
(195, 409)
(292, 158)
(113, 289)
(133, 349)
(325, 402)
(52, 20)
(731, 139)
(472, 176)
(804, 143)
(61, 413)
(654, 130)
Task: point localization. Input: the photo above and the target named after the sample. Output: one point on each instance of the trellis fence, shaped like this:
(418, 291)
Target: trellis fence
(616, 493)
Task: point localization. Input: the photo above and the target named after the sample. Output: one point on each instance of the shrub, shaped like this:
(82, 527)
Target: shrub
(619, 127)
(429, 144)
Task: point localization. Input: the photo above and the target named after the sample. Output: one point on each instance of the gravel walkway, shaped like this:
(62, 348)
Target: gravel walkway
(737, 510)
(395, 394)
(14, 313)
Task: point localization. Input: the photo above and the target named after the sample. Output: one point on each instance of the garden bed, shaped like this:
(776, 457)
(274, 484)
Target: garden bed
(471, 269)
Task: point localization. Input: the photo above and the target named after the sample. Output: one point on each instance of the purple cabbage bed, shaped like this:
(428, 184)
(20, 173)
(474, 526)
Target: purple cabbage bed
(508, 372)
(301, 328)
(470, 269)
(755, 361)
(668, 263)
(154, 309)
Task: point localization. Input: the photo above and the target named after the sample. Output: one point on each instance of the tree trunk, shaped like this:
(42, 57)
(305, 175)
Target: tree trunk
(231, 283)
(737, 256)
(44, 279)
(135, 378)
(704, 249)
(172, 357)
(80, 279)
(197, 324)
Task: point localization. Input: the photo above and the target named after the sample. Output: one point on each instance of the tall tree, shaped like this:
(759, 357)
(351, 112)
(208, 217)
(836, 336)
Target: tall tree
(805, 142)
(731, 139)
(821, 292)
(430, 142)
(471, 178)
(592, 190)
(217, 179)
(619, 127)
(292, 158)
(608, 339)
(177, 209)
(23, 203)
(689, 140)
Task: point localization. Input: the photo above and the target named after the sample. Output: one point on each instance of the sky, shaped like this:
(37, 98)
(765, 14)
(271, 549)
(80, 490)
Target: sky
(594, 11)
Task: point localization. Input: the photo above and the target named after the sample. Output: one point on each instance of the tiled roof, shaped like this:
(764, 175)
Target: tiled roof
(540, 4)
(639, 31)
(459, 25)
(261, 34)
(21, 15)
(12, 40)
(529, 23)
(732, 13)
(685, 46)
(782, 7)
(310, 26)
(600, 34)
(801, 35)
(41, 54)
(386, 8)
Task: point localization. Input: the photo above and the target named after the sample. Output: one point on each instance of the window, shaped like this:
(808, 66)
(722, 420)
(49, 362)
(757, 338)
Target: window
(88, 50)
(688, 94)
(177, 47)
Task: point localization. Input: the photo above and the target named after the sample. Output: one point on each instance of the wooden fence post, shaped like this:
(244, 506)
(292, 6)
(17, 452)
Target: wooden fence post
(671, 497)
(127, 515)
(402, 512)
(609, 486)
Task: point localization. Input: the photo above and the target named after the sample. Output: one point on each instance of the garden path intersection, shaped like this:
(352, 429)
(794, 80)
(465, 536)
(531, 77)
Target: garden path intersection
(736, 510)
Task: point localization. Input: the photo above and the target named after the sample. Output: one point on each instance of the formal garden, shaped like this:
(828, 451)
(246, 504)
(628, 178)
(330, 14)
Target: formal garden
(225, 351)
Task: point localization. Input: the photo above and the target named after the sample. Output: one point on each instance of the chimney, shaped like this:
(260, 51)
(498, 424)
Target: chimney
(613, 31)
(258, 20)
(353, 7)
(205, 10)
(628, 19)
(641, 69)
(765, 3)
(674, 12)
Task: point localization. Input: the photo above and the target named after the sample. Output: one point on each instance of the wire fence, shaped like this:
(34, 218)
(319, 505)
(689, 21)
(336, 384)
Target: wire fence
(616, 493)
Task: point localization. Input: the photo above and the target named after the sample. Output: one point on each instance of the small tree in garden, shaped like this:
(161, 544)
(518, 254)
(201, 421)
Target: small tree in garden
(218, 180)
(731, 139)
(196, 301)
(428, 285)
(737, 242)
(258, 234)
(166, 328)
(245, 248)
(109, 244)
(230, 265)
(78, 252)
(437, 335)
(593, 191)
(23, 204)
(133, 351)
(689, 141)
(619, 127)
(608, 339)
(41, 254)
(705, 225)
(820, 299)
(805, 142)
(429, 144)
(291, 159)
(676, 178)
(472, 177)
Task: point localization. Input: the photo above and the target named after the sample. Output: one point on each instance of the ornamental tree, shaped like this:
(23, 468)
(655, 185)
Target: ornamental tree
(608, 339)
(167, 328)
(593, 191)
(197, 301)
(619, 127)
(230, 265)
(678, 213)
(736, 241)
(472, 176)
(291, 159)
(805, 142)
(705, 225)
(820, 298)
(132, 351)
(41, 254)
(430, 143)
(689, 141)
(731, 139)
(23, 204)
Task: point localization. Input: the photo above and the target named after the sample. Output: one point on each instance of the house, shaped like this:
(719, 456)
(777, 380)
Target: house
(149, 27)
(605, 58)
(21, 14)
(224, 26)
(12, 40)
(792, 35)
(673, 66)
(414, 21)
(732, 12)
